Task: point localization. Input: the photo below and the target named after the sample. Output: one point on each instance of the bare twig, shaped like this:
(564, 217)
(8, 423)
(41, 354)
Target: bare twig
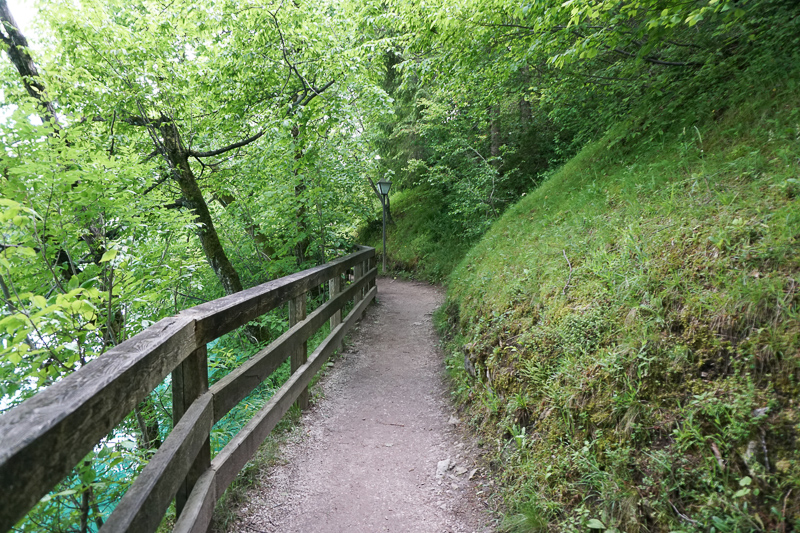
(157, 182)
(391, 424)
(683, 515)
(110, 335)
(113, 121)
(569, 278)
(783, 513)
(191, 297)
(720, 460)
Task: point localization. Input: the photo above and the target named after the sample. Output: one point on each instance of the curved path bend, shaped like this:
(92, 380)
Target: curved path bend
(372, 453)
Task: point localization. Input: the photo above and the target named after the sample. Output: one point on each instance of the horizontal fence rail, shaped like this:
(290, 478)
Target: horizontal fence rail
(45, 437)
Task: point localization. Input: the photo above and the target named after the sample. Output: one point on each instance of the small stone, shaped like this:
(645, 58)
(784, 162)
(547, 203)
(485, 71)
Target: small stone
(472, 474)
(442, 467)
(388, 444)
(454, 485)
(460, 471)
(760, 412)
(453, 420)
(417, 324)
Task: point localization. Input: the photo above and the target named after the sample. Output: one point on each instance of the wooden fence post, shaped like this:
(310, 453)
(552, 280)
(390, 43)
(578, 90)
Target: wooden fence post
(358, 273)
(190, 380)
(335, 286)
(297, 313)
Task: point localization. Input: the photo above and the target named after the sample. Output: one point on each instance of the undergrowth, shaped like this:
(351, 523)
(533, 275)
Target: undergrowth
(626, 337)
(422, 239)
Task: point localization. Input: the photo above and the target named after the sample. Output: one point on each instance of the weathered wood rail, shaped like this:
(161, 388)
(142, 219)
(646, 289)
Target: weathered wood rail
(45, 437)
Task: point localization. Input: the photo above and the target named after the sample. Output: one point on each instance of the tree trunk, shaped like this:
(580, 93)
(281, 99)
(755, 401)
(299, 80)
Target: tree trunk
(494, 133)
(18, 51)
(178, 159)
(524, 113)
(147, 420)
(301, 248)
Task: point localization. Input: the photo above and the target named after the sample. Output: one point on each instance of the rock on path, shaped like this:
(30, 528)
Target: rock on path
(380, 450)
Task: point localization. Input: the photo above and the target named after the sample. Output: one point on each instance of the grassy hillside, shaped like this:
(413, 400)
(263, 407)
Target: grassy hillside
(422, 240)
(627, 335)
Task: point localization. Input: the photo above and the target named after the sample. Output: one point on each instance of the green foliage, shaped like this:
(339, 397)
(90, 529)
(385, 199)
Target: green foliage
(489, 97)
(98, 240)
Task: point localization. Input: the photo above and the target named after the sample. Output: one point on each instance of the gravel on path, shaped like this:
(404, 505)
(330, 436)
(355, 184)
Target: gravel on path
(381, 449)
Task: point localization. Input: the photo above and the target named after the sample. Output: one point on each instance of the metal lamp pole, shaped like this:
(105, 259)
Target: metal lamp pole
(383, 187)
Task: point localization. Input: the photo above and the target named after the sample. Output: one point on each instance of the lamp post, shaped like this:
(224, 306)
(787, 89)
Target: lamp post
(383, 187)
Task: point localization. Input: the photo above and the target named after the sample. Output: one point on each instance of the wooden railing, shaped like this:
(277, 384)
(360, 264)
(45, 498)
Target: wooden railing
(45, 437)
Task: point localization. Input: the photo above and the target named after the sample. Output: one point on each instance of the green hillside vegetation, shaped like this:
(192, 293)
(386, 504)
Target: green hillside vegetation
(632, 326)
(423, 241)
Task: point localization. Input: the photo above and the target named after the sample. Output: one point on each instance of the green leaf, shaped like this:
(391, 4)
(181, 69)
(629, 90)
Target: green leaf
(108, 256)
(9, 203)
(594, 523)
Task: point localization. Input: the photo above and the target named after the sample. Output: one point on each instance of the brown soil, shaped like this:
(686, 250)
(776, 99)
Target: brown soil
(364, 457)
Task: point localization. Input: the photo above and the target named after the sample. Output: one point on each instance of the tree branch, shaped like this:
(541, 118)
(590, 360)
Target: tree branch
(316, 92)
(19, 52)
(219, 151)
(655, 61)
(301, 101)
(156, 184)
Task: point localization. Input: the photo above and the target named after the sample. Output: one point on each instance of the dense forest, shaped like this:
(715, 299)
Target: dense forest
(607, 189)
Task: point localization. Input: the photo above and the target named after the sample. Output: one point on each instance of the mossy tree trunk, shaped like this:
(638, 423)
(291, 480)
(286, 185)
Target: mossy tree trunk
(178, 158)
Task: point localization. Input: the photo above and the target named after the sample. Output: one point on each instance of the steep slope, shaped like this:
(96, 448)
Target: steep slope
(627, 335)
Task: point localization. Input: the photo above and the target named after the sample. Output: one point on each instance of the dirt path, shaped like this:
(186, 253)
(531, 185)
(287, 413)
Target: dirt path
(371, 454)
